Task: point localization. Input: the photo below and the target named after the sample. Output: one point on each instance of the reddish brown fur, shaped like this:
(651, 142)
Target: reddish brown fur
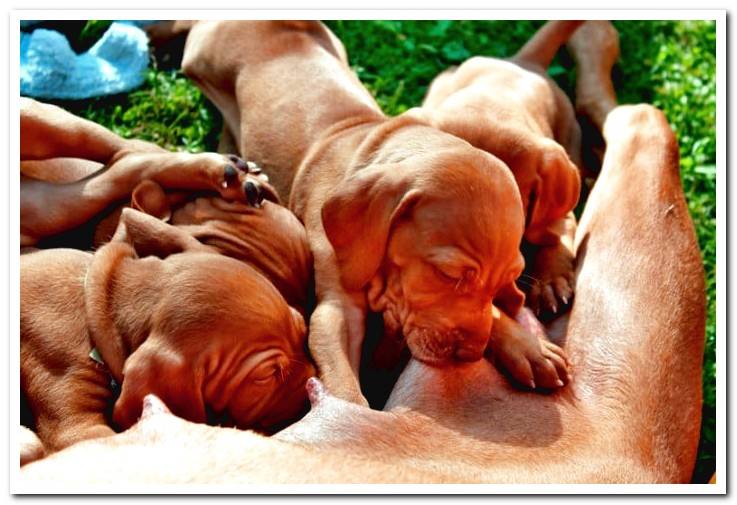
(58, 147)
(630, 415)
(513, 110)
(64, 190)
(381, 198)
(161, 325)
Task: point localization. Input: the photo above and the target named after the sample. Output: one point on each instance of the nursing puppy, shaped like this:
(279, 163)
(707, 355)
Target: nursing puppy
(208, 333)
(632, 413)
(402, 219)
(513, 110)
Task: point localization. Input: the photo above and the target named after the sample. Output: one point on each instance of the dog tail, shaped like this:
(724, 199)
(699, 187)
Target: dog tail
(541, 48)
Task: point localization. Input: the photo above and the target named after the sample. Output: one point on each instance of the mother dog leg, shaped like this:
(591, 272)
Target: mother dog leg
(641, 354)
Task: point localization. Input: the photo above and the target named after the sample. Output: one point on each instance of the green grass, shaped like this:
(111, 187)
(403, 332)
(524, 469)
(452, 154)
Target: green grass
(669, 64)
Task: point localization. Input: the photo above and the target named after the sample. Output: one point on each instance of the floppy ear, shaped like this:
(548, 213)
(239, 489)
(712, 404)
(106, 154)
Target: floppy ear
(358, 217)
(555, 193)
(150, 236)
(149, 197)
(509, 299)
(166, 374)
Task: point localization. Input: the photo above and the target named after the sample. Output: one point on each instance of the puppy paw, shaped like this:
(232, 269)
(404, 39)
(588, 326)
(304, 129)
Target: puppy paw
(529, 357)
(244, 181)
(551, 281)
(249, 167)
(539, 365)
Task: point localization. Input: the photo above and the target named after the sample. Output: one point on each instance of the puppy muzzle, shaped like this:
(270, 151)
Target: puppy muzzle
(437, 347)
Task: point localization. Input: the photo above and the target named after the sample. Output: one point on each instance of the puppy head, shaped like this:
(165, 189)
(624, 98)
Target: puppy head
(433, 240)
(223, 344)
(269, 238)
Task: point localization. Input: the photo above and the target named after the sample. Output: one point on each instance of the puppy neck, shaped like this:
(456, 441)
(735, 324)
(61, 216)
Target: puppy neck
(120, 293)
(399, 138)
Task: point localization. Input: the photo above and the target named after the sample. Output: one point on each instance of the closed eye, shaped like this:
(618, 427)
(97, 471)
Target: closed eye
(264, 375)
(446, 277)
(264, 380)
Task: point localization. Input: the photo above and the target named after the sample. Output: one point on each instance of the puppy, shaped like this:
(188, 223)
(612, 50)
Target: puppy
(513, 110)
(266, 236)
(208, 333)
(72, 170)
(61, 156)
(402, 218)
(269, 238)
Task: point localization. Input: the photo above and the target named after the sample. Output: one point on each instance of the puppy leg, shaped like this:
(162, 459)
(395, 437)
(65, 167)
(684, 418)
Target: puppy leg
(550, 278)
(48, 131)
(72, 408)
(522, 349)
(336, 336)
(48, 209)
(337, 329)
(550, 227)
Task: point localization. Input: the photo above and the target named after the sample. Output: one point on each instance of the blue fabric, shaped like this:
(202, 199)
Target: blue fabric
(49, 68)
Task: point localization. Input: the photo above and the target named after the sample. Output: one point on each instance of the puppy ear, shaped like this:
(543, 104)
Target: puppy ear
(358, 217)
(149, 197)
(152, 369)
(299, 322)
(152, 237)
(509, 299)
(555, 193)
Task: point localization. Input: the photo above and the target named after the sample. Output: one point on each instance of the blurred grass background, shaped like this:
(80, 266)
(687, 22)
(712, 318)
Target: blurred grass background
(670, 64)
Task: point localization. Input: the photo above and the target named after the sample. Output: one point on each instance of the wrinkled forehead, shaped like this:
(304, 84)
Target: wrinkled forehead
(476, 223)
(242, 220)
(271, 238)
(206, 291)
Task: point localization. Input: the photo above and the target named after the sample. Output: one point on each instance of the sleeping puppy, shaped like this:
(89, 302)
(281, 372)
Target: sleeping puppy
(514, 111)
(166, 315)
(402, 218)
(264, 235)
(76, 172)
(269, 238)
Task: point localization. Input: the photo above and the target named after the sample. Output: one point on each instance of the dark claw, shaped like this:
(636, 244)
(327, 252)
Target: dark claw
(230, 174)
(238, 162)
(253, 194)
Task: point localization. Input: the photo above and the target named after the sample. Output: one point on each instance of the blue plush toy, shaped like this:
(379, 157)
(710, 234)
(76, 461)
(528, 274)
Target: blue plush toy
(49, 68)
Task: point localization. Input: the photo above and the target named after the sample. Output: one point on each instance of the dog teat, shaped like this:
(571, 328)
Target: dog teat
(152, 405)
(316, 391)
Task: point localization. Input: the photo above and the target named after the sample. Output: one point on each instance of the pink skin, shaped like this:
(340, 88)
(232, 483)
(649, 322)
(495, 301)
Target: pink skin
(529, 322)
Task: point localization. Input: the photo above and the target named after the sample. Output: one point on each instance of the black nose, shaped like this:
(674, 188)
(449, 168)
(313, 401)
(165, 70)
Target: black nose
(253, 194)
